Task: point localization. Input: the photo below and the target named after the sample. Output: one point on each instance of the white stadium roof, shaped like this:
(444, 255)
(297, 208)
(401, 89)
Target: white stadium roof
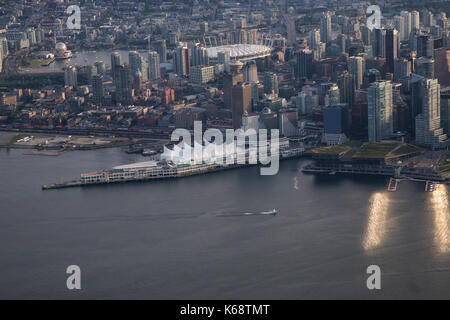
(240, 50)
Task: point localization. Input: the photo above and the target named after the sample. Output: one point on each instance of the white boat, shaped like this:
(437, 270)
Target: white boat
(271, 212)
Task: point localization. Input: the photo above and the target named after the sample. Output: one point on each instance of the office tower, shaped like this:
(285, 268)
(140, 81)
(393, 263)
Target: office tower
(415, 20)
(325, 27)
(161, 48)
(182, 64)
(101, 67)
(442, 66)
(116, 61)
(428, 124)
(380, 111)
(203, 27)
(153, 65)
(445, 111)
(355, 68)
(123, 84)
(288, 122)
(90, 72)
(391, 48)
(370, 76)
(425, 46)
(346, 87)
(379, 43)
(270, 83)
(314, 39)
(424, 67)
(138, 66)
(229, 81)
(241, 103)
(335, 124)
(250, 71)
(366, 35)
(304, 64)
(407, 24)
(70, 76)
(402, 69)
(97, 88)
(202, 74)
(416, 99)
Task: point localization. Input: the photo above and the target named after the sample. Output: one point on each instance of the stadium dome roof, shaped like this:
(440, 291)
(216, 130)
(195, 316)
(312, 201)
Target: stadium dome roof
(238, 51)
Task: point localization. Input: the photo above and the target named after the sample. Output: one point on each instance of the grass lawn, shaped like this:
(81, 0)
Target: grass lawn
(375, 150)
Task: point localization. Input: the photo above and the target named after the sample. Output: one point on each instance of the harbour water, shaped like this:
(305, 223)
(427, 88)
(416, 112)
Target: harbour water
(85, 58)
(191, 239)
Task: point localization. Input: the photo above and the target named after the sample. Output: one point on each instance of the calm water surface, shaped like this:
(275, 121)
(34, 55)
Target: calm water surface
(189, 238)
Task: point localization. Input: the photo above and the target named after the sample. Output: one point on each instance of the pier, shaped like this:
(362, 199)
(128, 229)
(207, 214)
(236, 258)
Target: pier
(393, 183)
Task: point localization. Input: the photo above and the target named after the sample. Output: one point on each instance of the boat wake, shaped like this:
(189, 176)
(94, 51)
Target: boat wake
(262, 213)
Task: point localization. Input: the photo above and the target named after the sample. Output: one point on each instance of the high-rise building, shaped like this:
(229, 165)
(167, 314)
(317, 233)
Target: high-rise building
(70, 76)
(346, 88)
(204, 27)
(270, 83)
(138, 66)
(229, 81)
(342, 42)
(445, 111)
(370, 76)
(288, 122)
(407, 24)
(97, 88)
(355, 68)
(116, 60)
(380, 111)
(415, 20)
(123, 84)
(161, 48)
(101, 67)
(199, 55)
(428, 124)
(304, 64)
(379, 43)
(425, 46)
(224, 58)
(241, 103)
(402, 69)
(314, 38)
(442, 66)
(182, 64)
(335, 124)
(399, 24)
(391, 48)
(325, 27)
(153, 66)
(425, 67)
(202, 74)
(250, 71)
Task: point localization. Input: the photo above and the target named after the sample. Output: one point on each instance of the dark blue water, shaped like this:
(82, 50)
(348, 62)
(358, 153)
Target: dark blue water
(188, 239)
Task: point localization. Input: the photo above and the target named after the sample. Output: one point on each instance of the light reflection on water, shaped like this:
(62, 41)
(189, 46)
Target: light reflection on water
(440, 208)
(376, 223)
